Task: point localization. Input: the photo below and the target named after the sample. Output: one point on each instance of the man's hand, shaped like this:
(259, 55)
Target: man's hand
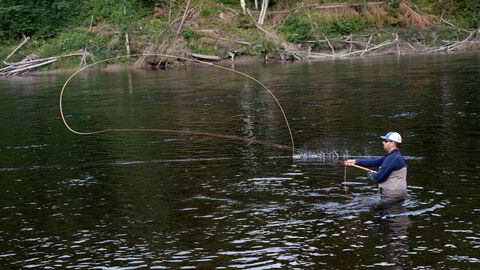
(370, 175)
(349, 162)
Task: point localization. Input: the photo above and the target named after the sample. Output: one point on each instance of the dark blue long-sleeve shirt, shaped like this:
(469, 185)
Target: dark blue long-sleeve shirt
(388, 163)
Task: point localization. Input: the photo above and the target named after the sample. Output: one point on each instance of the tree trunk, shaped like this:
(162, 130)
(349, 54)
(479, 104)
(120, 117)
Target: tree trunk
(25, 39)
(127, 43)
(263, 12)
(243, 5)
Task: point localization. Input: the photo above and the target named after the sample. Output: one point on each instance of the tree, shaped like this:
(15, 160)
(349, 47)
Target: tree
(36, 17)
(244, 6)
(263, 12)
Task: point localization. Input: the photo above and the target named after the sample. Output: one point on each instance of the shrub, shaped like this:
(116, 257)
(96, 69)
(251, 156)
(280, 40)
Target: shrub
(153, 28)
(343, 27)
(189, 34)
(296, 29)
(466, 12)
(63, 43)
(69, 42)
(203, 48)
(446, 33)
(36, 17)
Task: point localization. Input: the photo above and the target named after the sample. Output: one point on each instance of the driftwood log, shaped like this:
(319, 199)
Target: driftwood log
(363, 46)
(30, 63)
(205, 57)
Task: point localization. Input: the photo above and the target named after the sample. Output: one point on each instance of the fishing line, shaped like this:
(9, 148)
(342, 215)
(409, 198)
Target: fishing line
(180, 132)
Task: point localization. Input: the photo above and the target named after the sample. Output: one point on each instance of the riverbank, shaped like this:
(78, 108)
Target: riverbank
(224, 34)
(247, 60)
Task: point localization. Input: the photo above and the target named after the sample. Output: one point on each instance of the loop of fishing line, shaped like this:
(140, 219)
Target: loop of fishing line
(182, 132)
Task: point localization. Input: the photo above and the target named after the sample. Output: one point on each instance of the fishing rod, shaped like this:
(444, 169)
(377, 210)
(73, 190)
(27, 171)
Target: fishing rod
(363, 168)
(357, 166)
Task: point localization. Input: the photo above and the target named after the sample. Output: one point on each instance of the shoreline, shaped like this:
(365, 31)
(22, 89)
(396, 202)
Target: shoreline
(240, 60)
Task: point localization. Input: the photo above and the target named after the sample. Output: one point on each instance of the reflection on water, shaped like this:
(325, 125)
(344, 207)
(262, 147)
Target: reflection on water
(162, 201)
(396, 234)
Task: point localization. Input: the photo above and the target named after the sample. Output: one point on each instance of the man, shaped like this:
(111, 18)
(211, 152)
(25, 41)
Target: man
(392, 174)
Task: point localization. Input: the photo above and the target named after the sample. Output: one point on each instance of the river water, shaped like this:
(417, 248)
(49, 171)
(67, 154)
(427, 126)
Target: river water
(154, 200)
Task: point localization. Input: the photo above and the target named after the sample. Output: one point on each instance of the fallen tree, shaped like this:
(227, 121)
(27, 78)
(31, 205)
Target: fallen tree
(361, 46)
(32, 62)
(205, 57)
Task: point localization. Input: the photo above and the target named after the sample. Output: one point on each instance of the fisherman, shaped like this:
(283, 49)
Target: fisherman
(392, 174)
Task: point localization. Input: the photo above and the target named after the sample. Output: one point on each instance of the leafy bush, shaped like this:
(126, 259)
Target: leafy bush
(296, 29)
(66, 42)
(69, 42)
(446, 33)
(343, 27)
(36, 17)
(268, 46)
(470, 13)
(189, 34)
(47, 18)
(466, 12)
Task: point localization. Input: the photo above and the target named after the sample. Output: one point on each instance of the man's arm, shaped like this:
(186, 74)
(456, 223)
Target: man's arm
(391, 163)
(370, 162)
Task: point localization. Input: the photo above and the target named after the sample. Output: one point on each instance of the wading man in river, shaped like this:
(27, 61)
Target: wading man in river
(392, 174)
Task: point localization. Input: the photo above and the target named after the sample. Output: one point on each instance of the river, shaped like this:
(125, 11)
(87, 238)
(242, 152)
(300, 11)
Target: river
(147, 199)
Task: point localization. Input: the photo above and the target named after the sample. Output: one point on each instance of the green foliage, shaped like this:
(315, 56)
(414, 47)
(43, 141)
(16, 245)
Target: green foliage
(435, 36)
(202, 48)
(466, 12)
(395, 4)
(445, 33)
(343, 27)
(296, 29)
(394, 8)
(61, 26)
(189, 34)
(267, 46)
(69, 42)
(210, 11)
(153, 28)
(36, 17)
(47, 18)
(113, 11)
(245, 23)
(4, 51)
(229, 2)
(470, 13)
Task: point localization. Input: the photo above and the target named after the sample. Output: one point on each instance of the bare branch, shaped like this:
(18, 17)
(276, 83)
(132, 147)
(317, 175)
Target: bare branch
(15, 50)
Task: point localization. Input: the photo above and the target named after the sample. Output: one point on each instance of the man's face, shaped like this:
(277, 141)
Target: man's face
(388, 145)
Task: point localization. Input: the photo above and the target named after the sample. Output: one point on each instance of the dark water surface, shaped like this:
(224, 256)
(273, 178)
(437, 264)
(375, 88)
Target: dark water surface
(138, 200)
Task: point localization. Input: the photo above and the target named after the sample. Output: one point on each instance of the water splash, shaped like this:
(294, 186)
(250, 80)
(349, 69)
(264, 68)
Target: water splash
(321, 156)
(333, 156)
